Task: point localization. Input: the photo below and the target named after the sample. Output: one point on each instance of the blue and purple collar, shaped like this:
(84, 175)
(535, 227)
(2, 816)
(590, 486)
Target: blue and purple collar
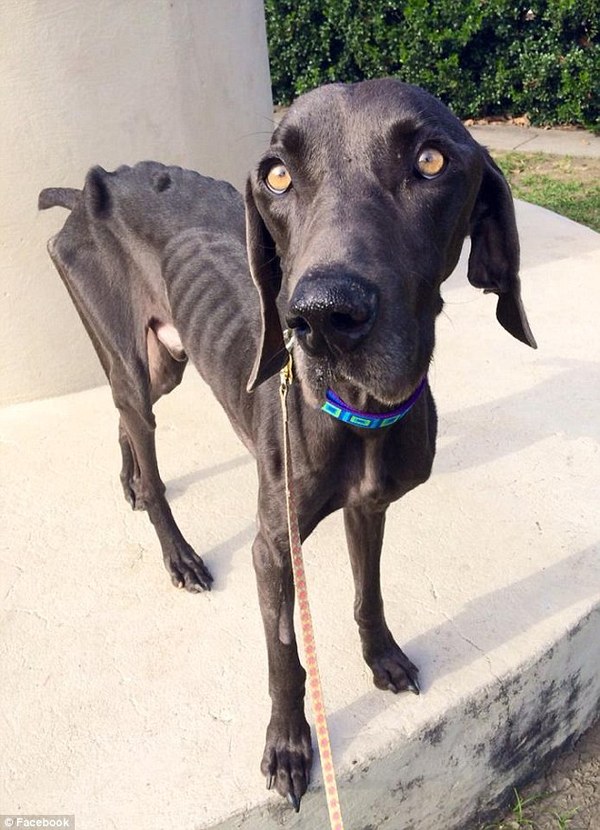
(342, 411)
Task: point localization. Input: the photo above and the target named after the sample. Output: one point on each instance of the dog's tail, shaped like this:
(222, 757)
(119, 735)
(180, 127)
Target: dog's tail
(66, 197)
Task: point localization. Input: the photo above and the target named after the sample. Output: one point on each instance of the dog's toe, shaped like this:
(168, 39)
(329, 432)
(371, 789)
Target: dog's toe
(198, 580)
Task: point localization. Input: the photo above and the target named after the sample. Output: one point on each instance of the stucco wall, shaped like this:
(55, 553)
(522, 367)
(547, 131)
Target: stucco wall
(108, 82)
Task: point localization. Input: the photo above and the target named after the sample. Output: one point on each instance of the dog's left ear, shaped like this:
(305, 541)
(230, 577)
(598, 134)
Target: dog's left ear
(494, 258)
(264, 264)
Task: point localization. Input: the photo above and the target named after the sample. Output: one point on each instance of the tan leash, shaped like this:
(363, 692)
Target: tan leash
(308, 640)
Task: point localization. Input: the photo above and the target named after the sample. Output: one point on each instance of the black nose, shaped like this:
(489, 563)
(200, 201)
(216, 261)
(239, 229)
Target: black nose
(332, 312)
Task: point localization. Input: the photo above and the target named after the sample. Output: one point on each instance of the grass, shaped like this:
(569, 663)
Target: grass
(521, 816)
(569, 186)
(564, 821)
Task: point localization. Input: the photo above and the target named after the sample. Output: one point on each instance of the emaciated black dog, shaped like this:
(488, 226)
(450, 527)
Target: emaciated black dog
(355, 216)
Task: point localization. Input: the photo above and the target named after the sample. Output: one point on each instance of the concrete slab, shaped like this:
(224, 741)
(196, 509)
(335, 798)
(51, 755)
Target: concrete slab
(129, 704)
(537, 140)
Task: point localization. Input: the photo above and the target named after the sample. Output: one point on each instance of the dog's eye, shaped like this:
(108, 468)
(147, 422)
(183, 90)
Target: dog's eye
(278, 179)
(430, 163)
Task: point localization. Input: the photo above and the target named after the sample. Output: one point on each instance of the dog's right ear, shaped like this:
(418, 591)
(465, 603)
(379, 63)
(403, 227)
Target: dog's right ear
(96, 193)
(266, 273)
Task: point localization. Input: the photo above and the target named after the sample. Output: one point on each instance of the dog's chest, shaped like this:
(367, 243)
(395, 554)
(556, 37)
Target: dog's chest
(373, 476)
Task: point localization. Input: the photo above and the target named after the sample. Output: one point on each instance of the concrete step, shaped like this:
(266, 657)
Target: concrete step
(129, 704)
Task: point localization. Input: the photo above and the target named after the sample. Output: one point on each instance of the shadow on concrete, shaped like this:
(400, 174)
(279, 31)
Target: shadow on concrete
(495, 429)
(220, 557)
(493, 619)
(177, 486)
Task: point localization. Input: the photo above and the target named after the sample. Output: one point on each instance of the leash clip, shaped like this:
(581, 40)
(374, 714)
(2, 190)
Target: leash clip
(286, 375)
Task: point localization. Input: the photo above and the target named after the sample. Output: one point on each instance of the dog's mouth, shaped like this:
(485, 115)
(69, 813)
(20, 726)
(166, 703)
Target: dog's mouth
(371, 386)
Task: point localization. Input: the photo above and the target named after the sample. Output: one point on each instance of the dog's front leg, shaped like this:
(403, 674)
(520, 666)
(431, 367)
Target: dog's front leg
(390, 666)
(287, 758)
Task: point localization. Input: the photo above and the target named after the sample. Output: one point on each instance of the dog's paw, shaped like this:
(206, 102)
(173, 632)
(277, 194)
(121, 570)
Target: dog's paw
(187, 569)
(287, 758)
(392, 670)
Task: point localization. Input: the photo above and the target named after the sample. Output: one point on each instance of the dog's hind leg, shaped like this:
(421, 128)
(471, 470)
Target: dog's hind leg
(140, 476)
(130, 471)
(139, 373)
(166, 365)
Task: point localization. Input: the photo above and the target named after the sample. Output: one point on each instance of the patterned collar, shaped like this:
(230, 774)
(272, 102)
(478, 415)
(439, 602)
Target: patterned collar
(336, 407)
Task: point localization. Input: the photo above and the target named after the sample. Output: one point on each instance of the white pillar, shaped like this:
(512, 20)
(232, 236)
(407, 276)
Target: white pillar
(108, 82)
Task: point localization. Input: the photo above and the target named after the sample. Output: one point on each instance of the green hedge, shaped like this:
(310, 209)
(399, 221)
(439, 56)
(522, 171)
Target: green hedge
(481, 57)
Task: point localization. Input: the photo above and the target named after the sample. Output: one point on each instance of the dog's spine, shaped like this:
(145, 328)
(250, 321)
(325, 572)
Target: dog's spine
(66, 197)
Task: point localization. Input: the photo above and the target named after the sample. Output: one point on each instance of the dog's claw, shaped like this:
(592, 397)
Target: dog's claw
(294, 801)
(413, 686)
(196, 588)
(269, 781)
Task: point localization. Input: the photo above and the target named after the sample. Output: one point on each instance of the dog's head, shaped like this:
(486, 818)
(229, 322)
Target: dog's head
(355, 216)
